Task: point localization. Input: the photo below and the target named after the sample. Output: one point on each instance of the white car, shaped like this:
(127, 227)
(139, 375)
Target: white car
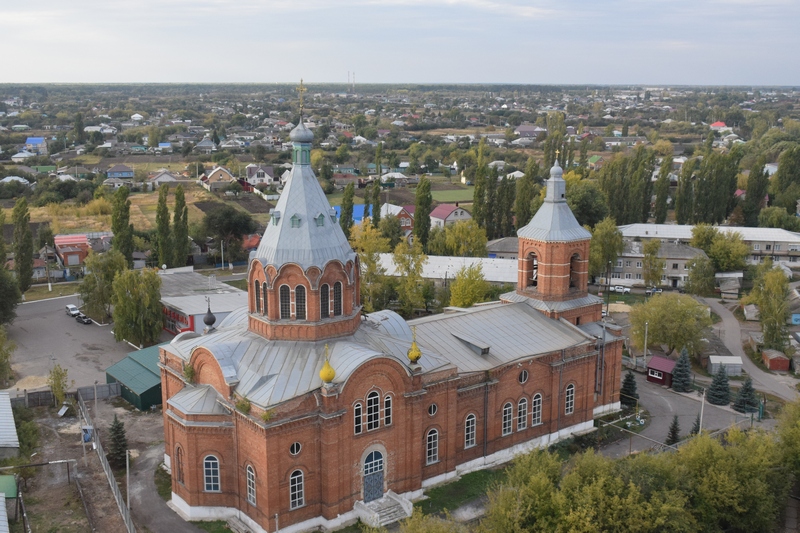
(72, 310)
(620, 288)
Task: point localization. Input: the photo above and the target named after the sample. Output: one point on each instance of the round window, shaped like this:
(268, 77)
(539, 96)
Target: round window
(523, 376)
(432, 409)
(294, 449)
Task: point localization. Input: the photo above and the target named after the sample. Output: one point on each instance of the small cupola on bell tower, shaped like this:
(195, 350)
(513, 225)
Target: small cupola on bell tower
(554, 248)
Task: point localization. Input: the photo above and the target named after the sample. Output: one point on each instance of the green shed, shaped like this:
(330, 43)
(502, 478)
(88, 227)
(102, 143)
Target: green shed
(139, 378)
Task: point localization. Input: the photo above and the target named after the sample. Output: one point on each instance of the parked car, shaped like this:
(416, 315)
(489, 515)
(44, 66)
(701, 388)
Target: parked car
(72, 310)
(620, 288)
(83, 319)
(653, 290)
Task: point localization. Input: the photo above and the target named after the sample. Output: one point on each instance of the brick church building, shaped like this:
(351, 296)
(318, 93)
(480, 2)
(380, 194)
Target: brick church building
(299, 412)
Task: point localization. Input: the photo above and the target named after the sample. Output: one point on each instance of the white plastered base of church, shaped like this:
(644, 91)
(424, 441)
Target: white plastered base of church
(188, 512)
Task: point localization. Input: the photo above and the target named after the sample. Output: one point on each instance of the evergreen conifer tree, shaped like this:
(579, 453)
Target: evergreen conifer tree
(696, 427)
(627, 395)
(746, 400)
(119, 443)
(674, 435)
(682, 373)
(719, 393)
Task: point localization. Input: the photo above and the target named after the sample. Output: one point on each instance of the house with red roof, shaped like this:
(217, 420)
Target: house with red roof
(719, 126)
(659, 370)
(446, 214)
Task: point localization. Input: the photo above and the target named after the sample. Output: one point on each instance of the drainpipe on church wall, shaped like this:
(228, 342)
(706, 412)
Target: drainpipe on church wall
(486, 414)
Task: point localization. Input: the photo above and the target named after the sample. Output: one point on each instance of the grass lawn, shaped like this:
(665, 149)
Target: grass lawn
(163, 483)
(457, 195)
(40, 292)
(217, 526)
(238, 283)
(453, 495)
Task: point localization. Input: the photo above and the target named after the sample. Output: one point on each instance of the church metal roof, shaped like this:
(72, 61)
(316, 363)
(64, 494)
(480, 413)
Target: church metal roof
(303, 229)
(554, 221)
(197, 400)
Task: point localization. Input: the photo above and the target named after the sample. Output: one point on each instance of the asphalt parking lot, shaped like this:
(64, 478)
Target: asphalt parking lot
(46, 335)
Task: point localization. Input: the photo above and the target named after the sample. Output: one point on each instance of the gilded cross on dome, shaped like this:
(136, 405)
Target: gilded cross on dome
(301, 89)
(557, 151)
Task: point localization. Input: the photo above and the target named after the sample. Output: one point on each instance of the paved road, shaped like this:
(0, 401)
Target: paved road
(662, 405)
(731, 336)
(148, 509)
(45, 334)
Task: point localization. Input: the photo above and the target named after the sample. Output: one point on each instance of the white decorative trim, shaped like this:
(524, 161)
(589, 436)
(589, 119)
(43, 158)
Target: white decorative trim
(188, 512)
(167, 463)
(608, 408)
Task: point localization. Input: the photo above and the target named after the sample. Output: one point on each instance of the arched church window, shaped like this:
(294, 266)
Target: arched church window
(373, 411)
(569, 400)
(337, 298)
(325, 301)
(179, 465)
(296, 490)
(286, 302)
(264, 293)
(257, 287)
(574, 263)
(533, 277)
(300, 302)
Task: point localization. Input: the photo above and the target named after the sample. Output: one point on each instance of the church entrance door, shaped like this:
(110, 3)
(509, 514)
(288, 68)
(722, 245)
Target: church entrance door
(373, 476)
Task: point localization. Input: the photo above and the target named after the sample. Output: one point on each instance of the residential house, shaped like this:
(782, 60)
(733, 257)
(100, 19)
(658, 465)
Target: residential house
(503, 248)
(406, 218)
(115, 183)
(120, 171)
(39, 268)
(445, 214)
(164, 148)
(160, 178)
(659, 370)
(206, 146)
(36, 145)
(259, 174)
(22, 156)
(517, 174)
(596, 162)
(72, 250)
(217, 179)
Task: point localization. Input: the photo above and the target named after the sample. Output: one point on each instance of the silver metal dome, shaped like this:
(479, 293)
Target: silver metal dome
(301, 134)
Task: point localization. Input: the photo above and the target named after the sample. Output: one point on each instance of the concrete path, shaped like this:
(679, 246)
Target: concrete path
(150, 512)
(731, 336)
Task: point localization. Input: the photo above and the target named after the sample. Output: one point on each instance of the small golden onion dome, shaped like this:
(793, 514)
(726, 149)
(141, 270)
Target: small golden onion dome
(327, 373)
(414, 353)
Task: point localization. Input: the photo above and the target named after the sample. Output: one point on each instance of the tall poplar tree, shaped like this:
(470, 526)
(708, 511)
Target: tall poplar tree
(757, 186)
(662, 190)
(346, 218)
(9, 290)
(479, 211)
(23, 245)
(524, 196)
(422, 212)
(121, 225)
(376, 203)
(163, 245)
(684, 199)
(180, 229)
(367, 200)
(490, 205)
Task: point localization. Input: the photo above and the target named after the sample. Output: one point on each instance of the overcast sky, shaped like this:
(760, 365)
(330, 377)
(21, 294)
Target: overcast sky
(664, 42)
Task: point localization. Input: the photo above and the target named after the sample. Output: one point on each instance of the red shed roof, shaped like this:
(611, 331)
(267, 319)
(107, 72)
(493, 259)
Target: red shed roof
(661, 363)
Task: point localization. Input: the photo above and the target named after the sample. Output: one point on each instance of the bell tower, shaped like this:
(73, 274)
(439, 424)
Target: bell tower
(554, 258)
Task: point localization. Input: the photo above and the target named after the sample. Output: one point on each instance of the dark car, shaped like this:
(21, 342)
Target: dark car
(83, 319)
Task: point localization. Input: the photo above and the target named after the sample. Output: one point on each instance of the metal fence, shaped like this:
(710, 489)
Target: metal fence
(46, 398)
(123, 509)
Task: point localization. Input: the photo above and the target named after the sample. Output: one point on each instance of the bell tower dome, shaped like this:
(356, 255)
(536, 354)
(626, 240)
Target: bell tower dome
(554, 258)
(303, 281)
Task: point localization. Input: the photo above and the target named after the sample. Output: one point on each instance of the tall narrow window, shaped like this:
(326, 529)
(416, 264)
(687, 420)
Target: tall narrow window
(373, 411)
(300, 302)
(264, 294)
(469, 432)
(522, 414)
(507, 413)
(179, 465)
(286, 302)
(211, 473)
(325, 301)
(257, 291)
(251, 485)
(536, 410)
(432, 447)
(296, 490)
(357, 418)
(387, 410)
(569, 399)
(337, 298)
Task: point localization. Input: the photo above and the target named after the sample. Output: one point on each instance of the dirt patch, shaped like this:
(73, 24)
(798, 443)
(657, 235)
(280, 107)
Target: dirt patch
(207, 207)
(619, 308)
(31, 382)
(252, 204)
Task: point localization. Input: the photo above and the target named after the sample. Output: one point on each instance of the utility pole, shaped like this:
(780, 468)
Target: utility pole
(128, 479)
(702, 407)
(645, 342)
